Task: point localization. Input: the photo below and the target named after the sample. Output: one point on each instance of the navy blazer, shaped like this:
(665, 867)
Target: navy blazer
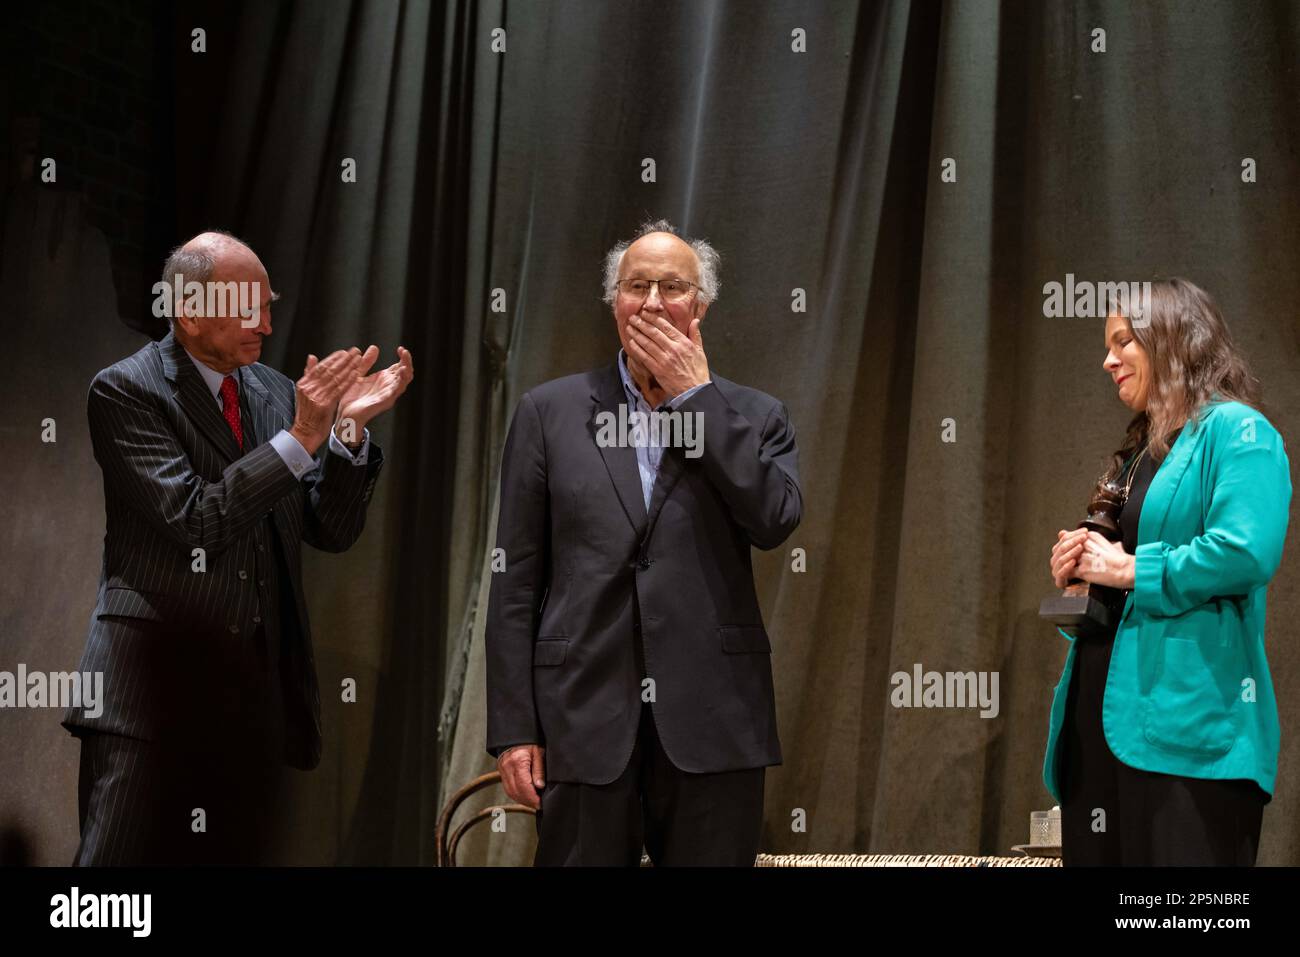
(580, 548)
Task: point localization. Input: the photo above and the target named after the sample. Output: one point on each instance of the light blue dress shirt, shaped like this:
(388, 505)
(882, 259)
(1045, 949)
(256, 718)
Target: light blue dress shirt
(648, 456)
(297, 458)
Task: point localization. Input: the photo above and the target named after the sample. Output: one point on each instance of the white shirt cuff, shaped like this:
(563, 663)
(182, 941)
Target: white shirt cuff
(677, 400)
(338, 448)
(294, 455)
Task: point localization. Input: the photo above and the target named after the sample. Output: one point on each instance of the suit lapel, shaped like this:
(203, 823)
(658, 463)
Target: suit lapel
(266, 420)
(672, 465)
(670, 470)
(620, 460)
(191, 393)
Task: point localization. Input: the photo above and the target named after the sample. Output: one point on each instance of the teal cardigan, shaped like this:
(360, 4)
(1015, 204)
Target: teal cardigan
(1188, 691)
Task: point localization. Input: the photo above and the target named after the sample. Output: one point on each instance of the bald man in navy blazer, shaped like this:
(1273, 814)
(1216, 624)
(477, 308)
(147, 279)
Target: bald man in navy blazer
(629, 677)
(216, 469)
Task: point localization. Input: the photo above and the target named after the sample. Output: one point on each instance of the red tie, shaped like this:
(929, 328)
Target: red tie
(230, 408)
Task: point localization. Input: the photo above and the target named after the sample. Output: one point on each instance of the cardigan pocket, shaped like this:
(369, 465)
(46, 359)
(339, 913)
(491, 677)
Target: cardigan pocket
(1191, 707)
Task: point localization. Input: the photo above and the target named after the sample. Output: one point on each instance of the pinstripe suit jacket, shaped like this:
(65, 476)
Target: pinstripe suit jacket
(175, 481)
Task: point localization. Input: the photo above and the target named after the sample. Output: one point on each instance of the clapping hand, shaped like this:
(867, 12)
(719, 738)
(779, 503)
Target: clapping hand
(367, 397)
(317, 393)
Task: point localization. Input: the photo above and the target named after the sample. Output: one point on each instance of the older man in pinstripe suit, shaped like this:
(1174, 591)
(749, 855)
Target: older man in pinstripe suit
(216, 468)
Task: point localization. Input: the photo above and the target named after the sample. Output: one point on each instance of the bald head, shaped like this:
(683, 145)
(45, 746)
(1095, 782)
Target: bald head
(216, 245)
(231, 334)
(666, 248)
(661, 254)
(695, 259)
(210, 256)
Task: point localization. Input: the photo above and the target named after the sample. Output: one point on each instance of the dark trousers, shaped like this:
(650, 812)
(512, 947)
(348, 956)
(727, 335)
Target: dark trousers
(680, 817)
(1150, 819)
(205, 790)
(142, 803)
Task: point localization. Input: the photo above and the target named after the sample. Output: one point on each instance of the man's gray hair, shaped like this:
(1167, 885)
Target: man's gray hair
(705, 253)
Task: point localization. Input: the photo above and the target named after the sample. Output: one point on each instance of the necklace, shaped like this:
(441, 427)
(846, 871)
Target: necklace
(1133, 470)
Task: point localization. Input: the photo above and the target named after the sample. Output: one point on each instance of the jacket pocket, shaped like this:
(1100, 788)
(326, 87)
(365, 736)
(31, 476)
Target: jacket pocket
(744, 639)
(548, 652)
(129, 603)
(1191, 705)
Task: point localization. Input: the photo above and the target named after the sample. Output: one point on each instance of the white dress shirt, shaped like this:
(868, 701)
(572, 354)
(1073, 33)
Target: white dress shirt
(648, 455)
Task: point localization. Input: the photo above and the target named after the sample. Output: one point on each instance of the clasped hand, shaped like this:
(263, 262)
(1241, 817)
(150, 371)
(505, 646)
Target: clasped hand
(1088, 555)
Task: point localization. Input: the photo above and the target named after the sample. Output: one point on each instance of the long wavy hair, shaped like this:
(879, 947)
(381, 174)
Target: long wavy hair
(1192, 357)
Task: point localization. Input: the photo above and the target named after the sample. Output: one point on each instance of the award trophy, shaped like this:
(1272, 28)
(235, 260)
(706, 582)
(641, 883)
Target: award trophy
(1082, 609)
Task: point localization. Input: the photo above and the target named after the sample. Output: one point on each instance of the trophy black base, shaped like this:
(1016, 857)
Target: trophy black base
(1081, 616)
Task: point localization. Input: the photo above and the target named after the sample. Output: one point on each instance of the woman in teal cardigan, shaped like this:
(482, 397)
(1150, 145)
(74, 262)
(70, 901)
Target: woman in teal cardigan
(1163, 741)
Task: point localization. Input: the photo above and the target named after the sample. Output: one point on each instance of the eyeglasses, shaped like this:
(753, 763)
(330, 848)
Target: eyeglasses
(670, 290)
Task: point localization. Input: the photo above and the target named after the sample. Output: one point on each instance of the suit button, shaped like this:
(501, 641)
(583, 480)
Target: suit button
(243, 575)
(257, 620)
(260, 548)
(644, 563)
(234, 629)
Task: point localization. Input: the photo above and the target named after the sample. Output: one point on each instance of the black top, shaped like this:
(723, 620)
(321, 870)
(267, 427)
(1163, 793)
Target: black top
(1132, 510)
(1129, 514)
